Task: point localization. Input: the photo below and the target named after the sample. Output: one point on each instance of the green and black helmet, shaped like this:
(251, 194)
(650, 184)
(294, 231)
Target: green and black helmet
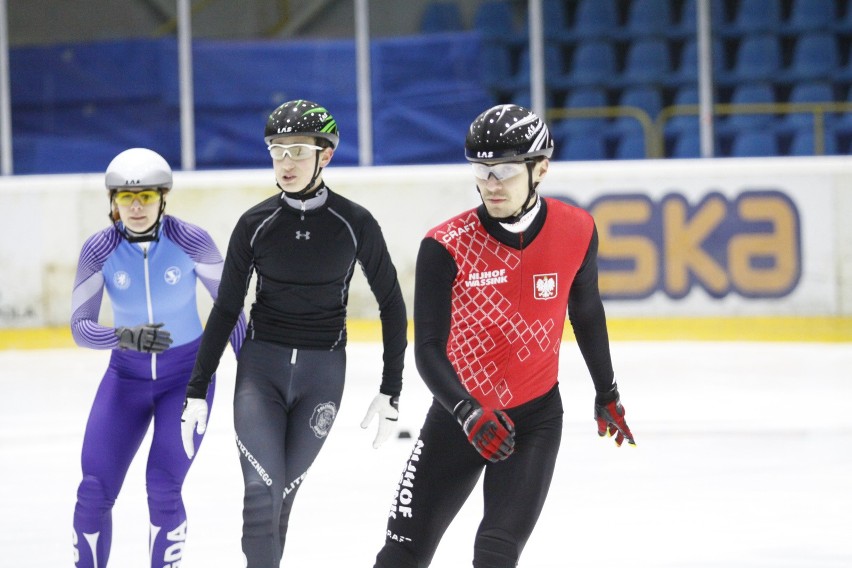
(302, 118)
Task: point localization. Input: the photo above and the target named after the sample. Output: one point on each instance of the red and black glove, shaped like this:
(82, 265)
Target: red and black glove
(610, 417)
(491, 432)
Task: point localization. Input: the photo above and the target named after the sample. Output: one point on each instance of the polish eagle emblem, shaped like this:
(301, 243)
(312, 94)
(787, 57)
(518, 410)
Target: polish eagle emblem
(545, 286)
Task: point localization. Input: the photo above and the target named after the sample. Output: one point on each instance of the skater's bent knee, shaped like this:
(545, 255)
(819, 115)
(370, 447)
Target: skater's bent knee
(260, 514)
(92, 494)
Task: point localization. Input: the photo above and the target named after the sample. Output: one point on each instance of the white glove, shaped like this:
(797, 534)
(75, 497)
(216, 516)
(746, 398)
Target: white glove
(386, 406)
(194, 418)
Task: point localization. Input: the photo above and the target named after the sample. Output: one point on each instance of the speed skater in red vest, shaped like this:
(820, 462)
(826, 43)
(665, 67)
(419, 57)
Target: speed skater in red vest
(492, 288)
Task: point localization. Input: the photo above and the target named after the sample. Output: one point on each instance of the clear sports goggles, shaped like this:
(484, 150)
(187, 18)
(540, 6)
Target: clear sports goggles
(296, 152)
(144, 197)
(499, 171)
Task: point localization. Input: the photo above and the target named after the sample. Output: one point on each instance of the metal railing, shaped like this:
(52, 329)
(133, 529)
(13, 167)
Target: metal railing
(653, 128)
(649, 128)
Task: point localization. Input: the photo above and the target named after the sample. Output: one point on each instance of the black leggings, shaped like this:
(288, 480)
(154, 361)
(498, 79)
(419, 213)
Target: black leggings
(285, 402)
(444, 468)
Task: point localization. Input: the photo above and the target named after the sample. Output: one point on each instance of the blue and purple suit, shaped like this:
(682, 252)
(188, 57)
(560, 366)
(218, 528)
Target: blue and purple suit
(148, 282)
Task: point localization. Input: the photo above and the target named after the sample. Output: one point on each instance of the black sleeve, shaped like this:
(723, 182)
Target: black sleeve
(434, 275)
(227, 309)
(381, 275)
(586, 312)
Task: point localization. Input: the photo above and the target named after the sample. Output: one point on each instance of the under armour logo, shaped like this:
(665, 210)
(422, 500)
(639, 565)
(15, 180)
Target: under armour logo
(300, 235)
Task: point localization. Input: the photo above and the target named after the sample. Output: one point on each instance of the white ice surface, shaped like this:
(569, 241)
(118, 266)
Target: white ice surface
(744, 460)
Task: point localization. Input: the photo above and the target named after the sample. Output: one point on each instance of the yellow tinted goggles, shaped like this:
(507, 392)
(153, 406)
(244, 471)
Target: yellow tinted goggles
(145, 197)
(296, 152)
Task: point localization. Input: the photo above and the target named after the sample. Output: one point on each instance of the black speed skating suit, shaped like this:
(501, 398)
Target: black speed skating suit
(291, 371)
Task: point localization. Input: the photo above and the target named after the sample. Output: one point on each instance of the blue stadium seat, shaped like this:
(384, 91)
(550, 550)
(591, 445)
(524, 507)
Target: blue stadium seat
(841, 126)
(595, 19)
(678, 124)
(803, 142)
(648, 61)
(811, 15)
(594, 63)
(644, 97)
(754, 17)
(815, 56)
(686, 71)
(749, 93)
(579, 146)
(631, 146)
(758, 58)
(647, 97)
(441, 17)
(755, 143)
(688, 24)
(494, 20)
(844, 70)
(648, 18)
(555, 20)
(687, 144)
(584, 97)
(554, 69)
(811, 92)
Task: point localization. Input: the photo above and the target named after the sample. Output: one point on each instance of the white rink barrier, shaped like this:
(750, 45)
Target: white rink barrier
(721, 237)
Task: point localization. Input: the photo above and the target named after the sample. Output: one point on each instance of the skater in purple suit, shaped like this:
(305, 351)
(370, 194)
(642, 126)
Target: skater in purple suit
(149, 264)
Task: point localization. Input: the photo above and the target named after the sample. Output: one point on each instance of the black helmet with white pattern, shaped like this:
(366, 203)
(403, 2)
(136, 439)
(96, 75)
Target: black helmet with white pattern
(507, 133)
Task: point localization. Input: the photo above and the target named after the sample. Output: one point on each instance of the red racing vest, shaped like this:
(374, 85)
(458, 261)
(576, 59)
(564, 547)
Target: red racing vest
(509, 305)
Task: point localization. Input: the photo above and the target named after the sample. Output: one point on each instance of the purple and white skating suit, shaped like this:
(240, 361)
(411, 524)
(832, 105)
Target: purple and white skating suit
(147, 282)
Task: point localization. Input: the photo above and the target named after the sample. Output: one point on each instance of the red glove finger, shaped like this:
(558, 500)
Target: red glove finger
(619, 438)
(623, 430)
(603, 427)
(502, 443)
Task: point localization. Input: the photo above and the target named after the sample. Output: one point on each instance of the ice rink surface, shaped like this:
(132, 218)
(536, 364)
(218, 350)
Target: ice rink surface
(744, 460)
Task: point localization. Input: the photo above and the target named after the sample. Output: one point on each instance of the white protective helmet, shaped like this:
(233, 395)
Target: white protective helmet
(138, 168)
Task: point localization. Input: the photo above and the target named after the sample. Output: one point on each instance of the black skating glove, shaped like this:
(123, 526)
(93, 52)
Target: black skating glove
(145, 338)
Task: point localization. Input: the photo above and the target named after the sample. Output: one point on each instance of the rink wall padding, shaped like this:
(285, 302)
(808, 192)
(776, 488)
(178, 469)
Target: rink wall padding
(679, 239)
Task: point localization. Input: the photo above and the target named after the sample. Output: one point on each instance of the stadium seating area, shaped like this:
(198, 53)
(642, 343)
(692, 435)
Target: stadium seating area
(783, 55)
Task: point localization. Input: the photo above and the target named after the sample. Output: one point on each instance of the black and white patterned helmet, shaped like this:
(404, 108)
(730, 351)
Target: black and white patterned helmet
(507, 133)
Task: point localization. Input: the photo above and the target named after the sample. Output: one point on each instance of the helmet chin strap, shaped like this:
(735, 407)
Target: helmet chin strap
(525, 208)
(304, 191)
